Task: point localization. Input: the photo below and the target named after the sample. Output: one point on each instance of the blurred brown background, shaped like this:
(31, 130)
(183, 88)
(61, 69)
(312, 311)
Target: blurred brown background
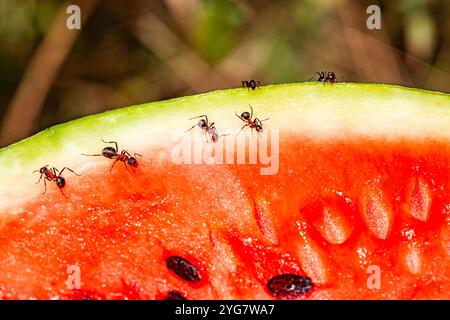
(130, 52)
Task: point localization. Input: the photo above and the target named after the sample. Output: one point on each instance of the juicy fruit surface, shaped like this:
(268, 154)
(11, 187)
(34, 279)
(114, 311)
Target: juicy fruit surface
(333, 210)
(362, 185)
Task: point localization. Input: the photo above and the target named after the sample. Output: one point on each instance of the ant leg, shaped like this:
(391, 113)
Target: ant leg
(60, 189)
(312, 76)
(129, 154)
(203, 115)
(125, 153)
(113, 164)
(251, 114)
(238, 116)
(45, 186)
(245, 125)
(257, 120)
(39, 178)
(191, 128)
(38, 170)
(206, 119)
(69, 170)
(117, 148)
(243, 84)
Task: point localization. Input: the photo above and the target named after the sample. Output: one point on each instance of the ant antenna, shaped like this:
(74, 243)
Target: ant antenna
(312, 77)
(92, 155)
(191, 128)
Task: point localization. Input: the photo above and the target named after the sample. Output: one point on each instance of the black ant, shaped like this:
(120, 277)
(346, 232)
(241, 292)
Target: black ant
(208, 127)
(252, 123)
(327, 76)
(53, 174)
(250, 84)
(113, 153)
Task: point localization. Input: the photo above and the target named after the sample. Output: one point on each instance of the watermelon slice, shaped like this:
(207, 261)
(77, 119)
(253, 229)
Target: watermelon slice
(345, 194)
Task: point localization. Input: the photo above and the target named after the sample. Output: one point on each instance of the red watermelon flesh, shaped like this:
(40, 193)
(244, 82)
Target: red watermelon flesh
(359, 206)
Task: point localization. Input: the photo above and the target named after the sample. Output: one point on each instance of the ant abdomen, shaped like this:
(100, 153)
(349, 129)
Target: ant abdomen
(132, 162)
(60, 182)
(109, 152)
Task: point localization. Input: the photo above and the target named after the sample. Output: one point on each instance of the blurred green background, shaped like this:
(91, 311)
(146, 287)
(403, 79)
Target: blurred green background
(130, 52)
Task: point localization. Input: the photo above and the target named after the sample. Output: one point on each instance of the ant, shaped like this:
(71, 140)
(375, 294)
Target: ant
(250, 84)
(113, 153)
(327, 76)
(208, 127)
(53, 174)
(254, 124)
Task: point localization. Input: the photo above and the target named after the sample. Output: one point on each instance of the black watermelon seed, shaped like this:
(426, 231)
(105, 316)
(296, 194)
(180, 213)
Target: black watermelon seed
(289, 285)
(183, 268)
(174, 295)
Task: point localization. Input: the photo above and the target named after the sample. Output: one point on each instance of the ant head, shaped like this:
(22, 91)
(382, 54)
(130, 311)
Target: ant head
(43, 170)
(132, 162)
(245, 115)
(202, 123)
(109, 152)
(60, 182)
(321, 76)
